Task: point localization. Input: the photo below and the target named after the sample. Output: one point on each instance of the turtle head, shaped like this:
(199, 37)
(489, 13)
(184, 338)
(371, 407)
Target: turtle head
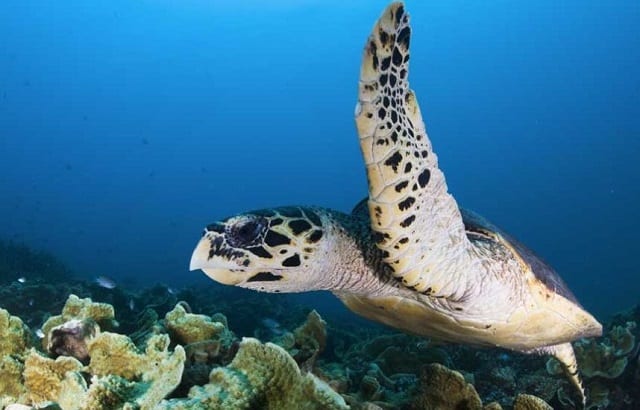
(274, 250)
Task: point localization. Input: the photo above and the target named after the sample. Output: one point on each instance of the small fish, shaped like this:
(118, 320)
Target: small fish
(272, 325)
(132, 304)
(172, 291)
(40, 333)
(22, 279)
(105, 282)
(31, 301)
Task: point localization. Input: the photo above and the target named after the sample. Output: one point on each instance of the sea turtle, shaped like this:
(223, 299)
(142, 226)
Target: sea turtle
(407, 256)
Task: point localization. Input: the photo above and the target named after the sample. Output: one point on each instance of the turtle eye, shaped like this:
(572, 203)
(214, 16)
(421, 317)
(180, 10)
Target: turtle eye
(247, 232)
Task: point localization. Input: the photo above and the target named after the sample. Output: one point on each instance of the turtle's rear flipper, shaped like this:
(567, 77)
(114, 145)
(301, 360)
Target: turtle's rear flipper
(565, 355)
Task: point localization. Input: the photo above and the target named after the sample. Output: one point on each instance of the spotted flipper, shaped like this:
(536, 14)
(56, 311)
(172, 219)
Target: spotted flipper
(416, 222)
(565, 354)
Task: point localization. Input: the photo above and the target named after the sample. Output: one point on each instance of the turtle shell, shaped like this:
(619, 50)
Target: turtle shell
(477, 225)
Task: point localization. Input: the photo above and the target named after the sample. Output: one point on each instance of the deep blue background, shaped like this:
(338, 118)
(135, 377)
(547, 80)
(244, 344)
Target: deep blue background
(126, 126)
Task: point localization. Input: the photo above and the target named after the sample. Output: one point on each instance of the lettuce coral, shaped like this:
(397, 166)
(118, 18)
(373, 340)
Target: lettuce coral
(122, 376)
(14, 335)
(529, 402)
(80, 309)
(189, 328)
(11, 386)
(14, 341)
(43, 376)
(607, 358)
(260, 376)
(442, 389)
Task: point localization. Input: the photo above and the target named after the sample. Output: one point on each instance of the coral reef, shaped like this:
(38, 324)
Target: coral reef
(14, 335)
(14, 341)
(603, 362)
(188, 328)
(80, 309)
(442, 388)
(607, 358)
(306, 342)
(162, 354)
(43, 376)
(529, 402)
(260, 376)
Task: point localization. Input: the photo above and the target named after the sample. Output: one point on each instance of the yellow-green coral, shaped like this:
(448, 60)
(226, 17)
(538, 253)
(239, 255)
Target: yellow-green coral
(43, 376)
(76, 308)
(260, 376)
(116, 384)
(14, 340)
(622, 338)
(529, 402)
(14, 335)
(312, 333)
(122, 376)
(115, 354)
(443, 389)
(73, 390)
(607, 358)
(191, 328)
(11, 385)
(306, 342)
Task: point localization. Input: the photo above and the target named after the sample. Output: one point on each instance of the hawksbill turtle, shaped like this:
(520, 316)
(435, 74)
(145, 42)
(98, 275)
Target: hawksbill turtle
(407, 256)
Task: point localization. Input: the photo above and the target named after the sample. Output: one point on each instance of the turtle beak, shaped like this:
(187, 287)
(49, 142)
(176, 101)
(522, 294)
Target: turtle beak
(200, 255)
(213, 266)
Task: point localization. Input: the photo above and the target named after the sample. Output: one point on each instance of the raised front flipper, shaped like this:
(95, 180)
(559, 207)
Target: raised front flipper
(417, 223)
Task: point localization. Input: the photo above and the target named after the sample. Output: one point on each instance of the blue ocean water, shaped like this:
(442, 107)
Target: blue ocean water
(126, 127)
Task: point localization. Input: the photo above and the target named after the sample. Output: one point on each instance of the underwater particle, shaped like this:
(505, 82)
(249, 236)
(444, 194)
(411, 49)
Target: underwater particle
(70, 338)
(22, 279)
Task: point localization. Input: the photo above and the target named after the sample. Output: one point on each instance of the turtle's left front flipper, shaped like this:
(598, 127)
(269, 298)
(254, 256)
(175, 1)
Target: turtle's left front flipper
(417, 224)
